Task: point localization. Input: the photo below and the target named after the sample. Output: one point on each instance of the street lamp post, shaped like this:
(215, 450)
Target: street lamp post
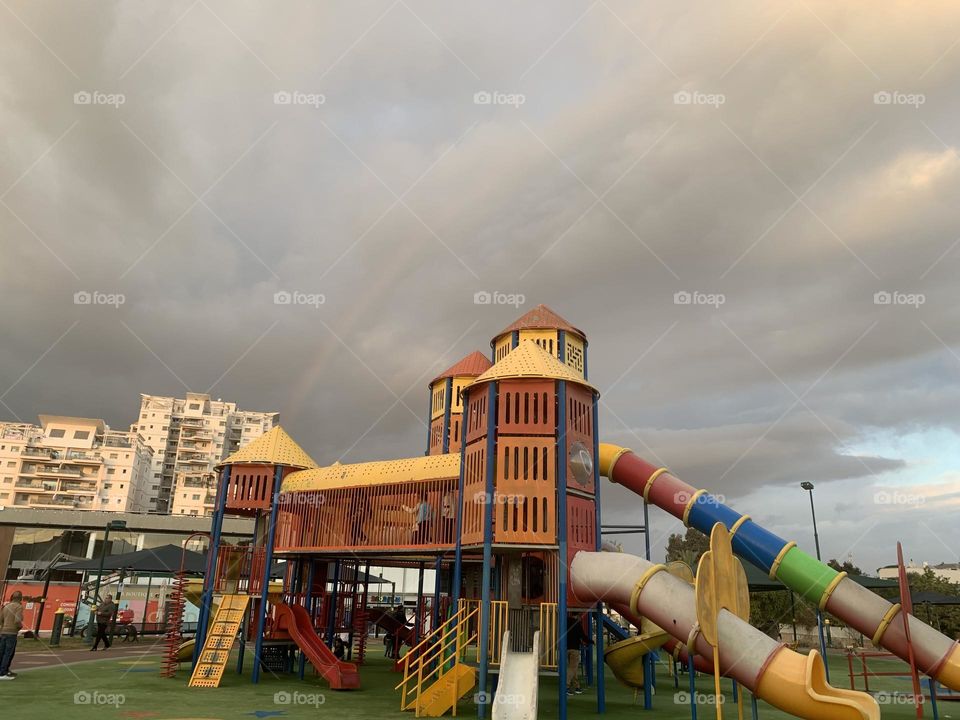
(112, 525)
(808, 486)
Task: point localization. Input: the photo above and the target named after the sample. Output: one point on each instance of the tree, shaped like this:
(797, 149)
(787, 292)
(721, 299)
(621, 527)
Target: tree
(944, 617)
(687, 547)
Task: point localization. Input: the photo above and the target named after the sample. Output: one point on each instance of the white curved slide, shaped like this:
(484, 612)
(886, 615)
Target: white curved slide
(516, 697)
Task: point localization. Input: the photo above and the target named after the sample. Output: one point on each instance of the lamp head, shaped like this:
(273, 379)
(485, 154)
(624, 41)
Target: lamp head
(806, 485)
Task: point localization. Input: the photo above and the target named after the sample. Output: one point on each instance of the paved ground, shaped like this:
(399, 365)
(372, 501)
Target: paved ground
(33, 655)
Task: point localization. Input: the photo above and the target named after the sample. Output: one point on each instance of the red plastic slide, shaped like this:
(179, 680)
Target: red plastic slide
(296, 621)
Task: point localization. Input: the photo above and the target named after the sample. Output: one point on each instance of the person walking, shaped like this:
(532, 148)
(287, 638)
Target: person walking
(576, 639)
(11, 620)
(105, 611)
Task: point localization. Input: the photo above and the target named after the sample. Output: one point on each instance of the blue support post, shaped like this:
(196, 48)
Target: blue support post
(419, 611)
(646, 530)
(933, 697)
(754, 712)
(562, 347)
(562, 546)
(241, 652)
(429, 421)
(585, 375)
(692, 672)
(601, 670)
(514, 339)
(457, 580)
(435, 617)
(587, 657)
(267, 562)
(209, 580)
(448, 403)
(491, 457)
(334, 594)
(823, 644)
(648, 681)
(307, 601)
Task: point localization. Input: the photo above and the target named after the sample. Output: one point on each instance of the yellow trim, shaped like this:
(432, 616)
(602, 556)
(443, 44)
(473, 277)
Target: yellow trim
(272, 448)
(737, 524)
(885, 623)
(696, 496)
(779, 559)
(825, 598)
(692, 637)
(609, 454)
(403, 470)
(641, 583)
(949, 674)
(649, 484)
(529, 360)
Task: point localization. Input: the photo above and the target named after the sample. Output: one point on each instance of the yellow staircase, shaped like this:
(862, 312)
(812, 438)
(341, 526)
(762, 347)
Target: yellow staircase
(435, 674)
(216, 649)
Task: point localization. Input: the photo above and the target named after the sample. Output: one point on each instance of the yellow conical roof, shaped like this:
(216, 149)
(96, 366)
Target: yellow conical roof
(529, 360)
(272, 448)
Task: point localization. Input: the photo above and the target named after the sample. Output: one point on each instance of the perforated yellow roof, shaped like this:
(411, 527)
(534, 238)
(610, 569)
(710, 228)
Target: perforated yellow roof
(272, 448)
(427, 467)
(529, 360)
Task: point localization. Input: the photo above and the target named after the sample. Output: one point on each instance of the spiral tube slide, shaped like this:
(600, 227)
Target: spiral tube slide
(936, 655)
(787, 680)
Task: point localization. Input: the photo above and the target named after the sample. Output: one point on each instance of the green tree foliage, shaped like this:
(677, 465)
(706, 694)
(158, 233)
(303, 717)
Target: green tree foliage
(848, 567)
(946, 618)
(687, 547)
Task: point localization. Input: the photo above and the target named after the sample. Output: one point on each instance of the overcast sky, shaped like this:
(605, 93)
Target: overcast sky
(783, 163)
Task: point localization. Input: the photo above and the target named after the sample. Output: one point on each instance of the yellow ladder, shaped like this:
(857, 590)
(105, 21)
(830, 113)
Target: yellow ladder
(216, 649)
(435, 675)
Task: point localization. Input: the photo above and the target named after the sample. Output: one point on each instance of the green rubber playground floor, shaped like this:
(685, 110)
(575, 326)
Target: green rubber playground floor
(131, 689)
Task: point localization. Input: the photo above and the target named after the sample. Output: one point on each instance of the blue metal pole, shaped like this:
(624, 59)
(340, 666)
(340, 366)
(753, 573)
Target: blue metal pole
(435, 617)
(933, 698)
(646, 530)
(561, 346)
(267, 562)
(692, 672)
(307, 600)
(648, 681)
(754, 711)
(419, 610)
(601, 670)
(447, 405)
(823, 644)
(483, 700)
(458, 550)
(562, 545)
(514, 339)
(429, 421)
(334, 595)
(209, 580)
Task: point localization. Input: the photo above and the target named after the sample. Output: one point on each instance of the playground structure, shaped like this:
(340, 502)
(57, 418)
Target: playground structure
(505, 507)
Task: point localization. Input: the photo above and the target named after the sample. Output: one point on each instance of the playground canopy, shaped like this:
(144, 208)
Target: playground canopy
(929, 597)
(162, 559)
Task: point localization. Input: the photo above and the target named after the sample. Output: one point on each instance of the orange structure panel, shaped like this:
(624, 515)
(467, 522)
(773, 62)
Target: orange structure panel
(580, 431)
(250, 488)
(581, 532)
(525, 498)
(526, 407)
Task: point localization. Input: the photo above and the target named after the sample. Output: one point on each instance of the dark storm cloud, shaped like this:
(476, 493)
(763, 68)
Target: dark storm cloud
(797, 198)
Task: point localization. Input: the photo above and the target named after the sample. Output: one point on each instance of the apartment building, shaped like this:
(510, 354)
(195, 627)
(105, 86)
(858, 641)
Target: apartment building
(189, 436)
(73, 463)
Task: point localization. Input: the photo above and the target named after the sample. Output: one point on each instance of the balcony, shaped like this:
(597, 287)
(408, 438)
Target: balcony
(39, 452)
(72, 472)
(82, 457)
(34, 485)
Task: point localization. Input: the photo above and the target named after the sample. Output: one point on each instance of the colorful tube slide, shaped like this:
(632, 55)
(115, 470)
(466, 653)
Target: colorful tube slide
(936, 655)
(787, 680)
(296, 621)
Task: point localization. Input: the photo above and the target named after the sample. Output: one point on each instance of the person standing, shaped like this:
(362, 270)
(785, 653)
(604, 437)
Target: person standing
(105, 611)
(448, 518)
(576, 639)
(11, 620)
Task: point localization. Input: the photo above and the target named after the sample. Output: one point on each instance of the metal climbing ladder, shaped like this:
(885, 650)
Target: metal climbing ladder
(216, 650)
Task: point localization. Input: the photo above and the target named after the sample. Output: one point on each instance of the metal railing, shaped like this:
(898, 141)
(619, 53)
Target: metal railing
(437, 654)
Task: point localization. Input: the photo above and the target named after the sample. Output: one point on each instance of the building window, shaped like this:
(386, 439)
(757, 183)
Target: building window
(57, 433)
(194, 406)
(114, 456)
(81, 434)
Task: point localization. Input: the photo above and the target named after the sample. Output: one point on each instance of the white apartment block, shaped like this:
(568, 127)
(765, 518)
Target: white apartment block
(189, 437)
(73, 463)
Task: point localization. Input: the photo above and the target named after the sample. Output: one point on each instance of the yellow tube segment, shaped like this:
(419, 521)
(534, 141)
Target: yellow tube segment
(641, 583)
(885, 623)
(797, 684)
(690, 503)
(949, 674)
(609, 454)
(779, 559)
(737, 524)
(825, 598)
(646, 488)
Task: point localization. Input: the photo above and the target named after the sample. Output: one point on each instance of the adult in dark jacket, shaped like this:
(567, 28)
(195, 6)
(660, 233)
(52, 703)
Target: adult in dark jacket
(105, 612)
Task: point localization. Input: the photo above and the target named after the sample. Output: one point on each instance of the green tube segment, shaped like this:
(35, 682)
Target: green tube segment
(805, 575)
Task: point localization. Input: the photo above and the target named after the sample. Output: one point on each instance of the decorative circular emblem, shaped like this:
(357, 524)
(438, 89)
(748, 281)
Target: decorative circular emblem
(581, 463)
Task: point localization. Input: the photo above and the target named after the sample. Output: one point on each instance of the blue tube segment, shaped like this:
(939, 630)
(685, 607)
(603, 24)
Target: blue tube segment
(757, 545)
(707, 511)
